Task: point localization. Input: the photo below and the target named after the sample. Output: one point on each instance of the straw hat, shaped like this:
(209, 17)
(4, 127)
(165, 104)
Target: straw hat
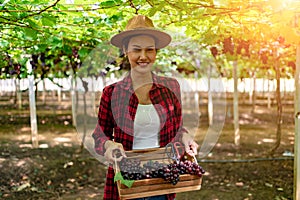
(141, 25)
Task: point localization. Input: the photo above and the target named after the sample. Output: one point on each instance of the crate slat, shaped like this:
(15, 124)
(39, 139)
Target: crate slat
(160, 192)
(159, 185)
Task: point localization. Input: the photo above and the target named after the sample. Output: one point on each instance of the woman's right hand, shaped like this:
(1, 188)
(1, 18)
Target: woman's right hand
(112, 151)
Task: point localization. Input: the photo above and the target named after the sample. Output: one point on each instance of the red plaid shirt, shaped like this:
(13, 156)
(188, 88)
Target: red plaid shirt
(116, 115)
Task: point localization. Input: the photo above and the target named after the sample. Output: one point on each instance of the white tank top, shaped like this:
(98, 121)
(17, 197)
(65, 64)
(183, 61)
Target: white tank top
(146, 127)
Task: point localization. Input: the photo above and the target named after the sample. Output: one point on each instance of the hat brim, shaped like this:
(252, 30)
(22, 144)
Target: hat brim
(162, 39)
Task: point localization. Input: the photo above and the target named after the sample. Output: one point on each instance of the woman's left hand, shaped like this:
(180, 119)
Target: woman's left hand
(190, 145)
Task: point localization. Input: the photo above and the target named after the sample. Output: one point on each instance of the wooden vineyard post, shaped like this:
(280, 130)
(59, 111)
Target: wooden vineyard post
(209, 98)
(296, 159)
(33, 119)
(236, 106)
(74, 99)
(297, 128)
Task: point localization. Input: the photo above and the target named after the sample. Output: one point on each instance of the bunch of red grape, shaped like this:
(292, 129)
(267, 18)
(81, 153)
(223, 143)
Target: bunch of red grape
(131, 169)
(189, 167)
(173, 171)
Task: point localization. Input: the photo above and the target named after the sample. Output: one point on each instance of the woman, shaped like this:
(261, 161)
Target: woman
(143, 110)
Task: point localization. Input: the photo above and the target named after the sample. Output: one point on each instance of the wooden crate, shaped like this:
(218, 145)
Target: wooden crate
(156, 186)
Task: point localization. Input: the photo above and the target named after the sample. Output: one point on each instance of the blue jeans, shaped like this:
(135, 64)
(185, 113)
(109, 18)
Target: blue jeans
(160, 197)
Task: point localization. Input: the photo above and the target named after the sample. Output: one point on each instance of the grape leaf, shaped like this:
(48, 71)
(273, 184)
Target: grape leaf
(128, 183)
(119, 177)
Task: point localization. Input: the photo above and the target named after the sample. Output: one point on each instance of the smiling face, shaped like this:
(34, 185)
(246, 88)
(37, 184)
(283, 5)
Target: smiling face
(141, 53)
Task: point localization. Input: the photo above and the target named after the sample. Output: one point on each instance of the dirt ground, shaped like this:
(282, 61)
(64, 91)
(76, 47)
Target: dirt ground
(60, 169)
